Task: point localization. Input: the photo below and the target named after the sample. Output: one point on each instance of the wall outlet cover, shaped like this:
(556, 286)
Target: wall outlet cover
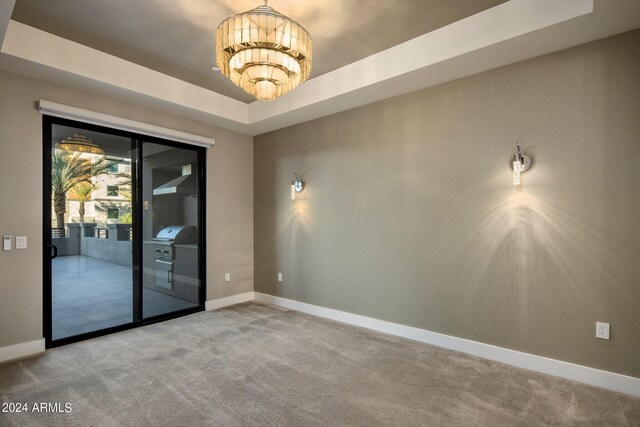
(602, 330)
(6, 243)
(227, 277)
(279, 277)
(21, 242)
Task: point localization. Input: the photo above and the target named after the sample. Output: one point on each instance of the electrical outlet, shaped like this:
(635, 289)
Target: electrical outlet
(602, 330)
(227, 277)
(6, 243)
(279, 277)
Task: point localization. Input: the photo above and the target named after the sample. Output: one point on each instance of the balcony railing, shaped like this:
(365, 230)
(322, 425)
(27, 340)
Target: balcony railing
(111, 243)
(99, 233)
(57, 233)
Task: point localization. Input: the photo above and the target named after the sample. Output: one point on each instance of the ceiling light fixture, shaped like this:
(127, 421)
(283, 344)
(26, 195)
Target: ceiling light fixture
(263, 52)
(79, 143)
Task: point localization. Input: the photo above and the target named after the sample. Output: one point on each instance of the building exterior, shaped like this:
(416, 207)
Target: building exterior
(111, 199)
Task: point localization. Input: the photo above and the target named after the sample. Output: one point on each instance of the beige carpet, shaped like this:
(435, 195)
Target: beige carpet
(260, 365)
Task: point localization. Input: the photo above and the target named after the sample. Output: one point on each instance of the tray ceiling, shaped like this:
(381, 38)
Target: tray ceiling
(177, 37)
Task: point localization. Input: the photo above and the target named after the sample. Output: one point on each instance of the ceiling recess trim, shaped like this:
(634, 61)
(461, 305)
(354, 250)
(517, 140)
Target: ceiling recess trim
(417, 61)
(44, 54)
(6, 7)
(510, 32)
(67, 112)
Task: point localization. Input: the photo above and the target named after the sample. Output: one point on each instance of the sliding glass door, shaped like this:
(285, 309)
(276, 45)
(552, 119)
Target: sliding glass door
(171, 217)
(123, 230)
(90, 223)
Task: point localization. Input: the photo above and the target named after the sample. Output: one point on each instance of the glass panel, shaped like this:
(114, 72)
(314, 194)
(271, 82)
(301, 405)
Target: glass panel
(170, 234)
(91, 281)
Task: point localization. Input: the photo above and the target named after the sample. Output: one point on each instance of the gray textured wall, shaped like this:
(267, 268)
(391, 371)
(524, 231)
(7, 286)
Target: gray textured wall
(229, 198)
(410, 215)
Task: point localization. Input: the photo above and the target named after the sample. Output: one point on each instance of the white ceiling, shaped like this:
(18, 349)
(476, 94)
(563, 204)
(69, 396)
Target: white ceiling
(177, 38)
(507, 33)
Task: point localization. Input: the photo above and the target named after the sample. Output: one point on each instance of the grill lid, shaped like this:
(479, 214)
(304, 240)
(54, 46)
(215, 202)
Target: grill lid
(180, 234)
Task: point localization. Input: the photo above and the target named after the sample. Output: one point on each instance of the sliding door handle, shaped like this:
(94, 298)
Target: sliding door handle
(53, 251)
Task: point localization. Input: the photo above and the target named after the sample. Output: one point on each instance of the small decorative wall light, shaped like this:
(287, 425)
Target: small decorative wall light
(297, 185)
(520, 163)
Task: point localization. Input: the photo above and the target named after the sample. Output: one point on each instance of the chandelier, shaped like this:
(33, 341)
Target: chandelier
(263, 52)
(79, 143)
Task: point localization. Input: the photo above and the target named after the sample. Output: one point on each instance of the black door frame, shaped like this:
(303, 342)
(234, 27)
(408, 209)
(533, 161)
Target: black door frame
(137, 143)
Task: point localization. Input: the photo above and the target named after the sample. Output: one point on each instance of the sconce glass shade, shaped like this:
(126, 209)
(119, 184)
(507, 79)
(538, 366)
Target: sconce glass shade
(521, 163)
(79, 143)
(517, 169)
(263, 52)
(297, 185)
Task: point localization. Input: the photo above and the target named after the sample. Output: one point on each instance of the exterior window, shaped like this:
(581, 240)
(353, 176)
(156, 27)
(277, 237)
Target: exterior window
(114, 168)
(112, 190)
(113, 213)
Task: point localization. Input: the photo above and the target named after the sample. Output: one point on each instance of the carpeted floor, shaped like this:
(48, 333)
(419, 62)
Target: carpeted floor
(255, 364)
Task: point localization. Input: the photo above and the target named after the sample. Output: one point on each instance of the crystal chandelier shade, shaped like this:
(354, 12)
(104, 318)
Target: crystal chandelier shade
(79, 143)
(263, 52)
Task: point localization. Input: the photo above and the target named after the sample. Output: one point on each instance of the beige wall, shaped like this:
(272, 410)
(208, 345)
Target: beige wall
(410, 214)
(229, 198)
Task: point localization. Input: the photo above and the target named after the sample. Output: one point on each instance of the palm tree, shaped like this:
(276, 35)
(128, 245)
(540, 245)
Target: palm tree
(68, 170)
(82, 193)
(125, 186)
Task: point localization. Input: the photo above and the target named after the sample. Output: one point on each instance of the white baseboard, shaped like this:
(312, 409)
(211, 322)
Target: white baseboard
(21, 350)
(599, 378)
(596, 377)
(227, 301)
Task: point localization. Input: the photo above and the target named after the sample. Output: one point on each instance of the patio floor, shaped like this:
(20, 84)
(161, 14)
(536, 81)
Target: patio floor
(91, 294)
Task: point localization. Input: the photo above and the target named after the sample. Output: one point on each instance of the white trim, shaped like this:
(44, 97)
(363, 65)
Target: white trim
(584, 374)
(416, 62)
(21, 350)
(227, 301)
(599, 378)
(510, 32)
(87, 116)
(45, 56)
(6, 8)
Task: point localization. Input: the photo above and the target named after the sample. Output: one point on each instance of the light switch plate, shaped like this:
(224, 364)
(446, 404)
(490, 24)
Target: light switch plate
(21, 242)
(6, 243)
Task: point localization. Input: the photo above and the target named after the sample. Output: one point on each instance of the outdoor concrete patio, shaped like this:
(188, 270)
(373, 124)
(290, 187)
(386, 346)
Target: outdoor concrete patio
(91, 294)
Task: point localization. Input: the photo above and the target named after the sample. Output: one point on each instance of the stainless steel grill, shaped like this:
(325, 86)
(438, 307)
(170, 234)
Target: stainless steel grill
(164, 251)
(178, 234)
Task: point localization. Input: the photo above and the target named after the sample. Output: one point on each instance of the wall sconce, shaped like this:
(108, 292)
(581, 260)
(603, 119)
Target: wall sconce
(297, 185)
(520, 164)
